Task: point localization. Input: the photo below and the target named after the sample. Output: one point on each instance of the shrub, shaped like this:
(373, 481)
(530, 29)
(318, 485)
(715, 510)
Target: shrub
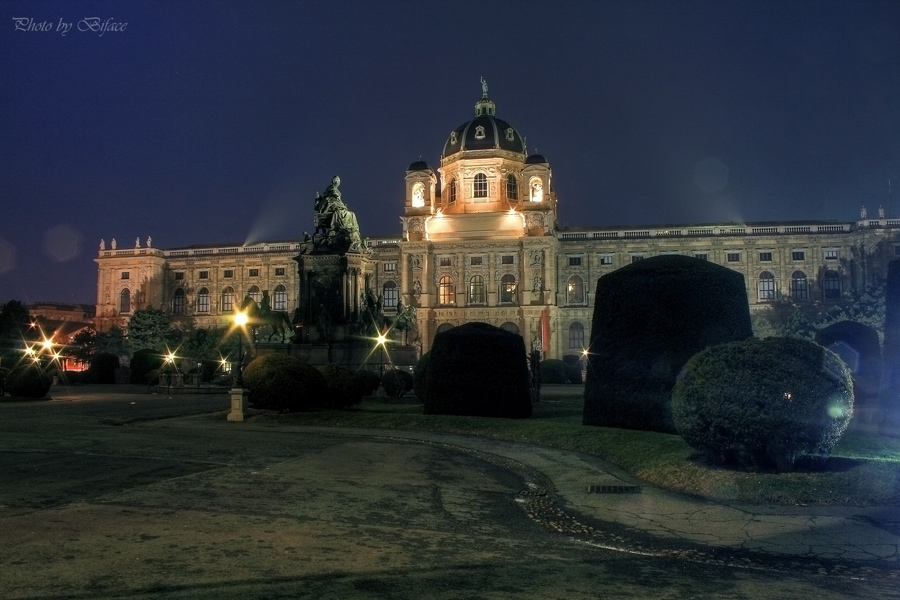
(763, 403)
(28, 381)
(3, 373)
(477, 369)
(396, 382)
(553, 371)
(573, 368)
(420, 382)
(103, 369)
(365, 383)
(284, 383)
(339, 387)
(142, 363)
(649, 318)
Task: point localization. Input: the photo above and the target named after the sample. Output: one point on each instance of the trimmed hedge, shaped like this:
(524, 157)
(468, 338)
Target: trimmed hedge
(860, 348)
(365, 383)
(284, 383)
(143, 362)
(763, 403)
(396, 382)
(102, 369)
(28, 381)
(477, 369)
(420, 382)
(649, 318)
(343, 387)
(553, 371)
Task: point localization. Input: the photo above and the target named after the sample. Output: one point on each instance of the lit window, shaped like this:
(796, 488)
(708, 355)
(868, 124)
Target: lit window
(254, 272)
(178, 302)
(798, 255)
(574, 261)
(125, 301)
(576, 336)
(279, 271)
(446, 291)
(227, 299)
(203, 300)
(766, 291)
(733, 257)
(452, 193)
(279, 299)
(832, 285)
(799, 286)
(126, 275)
(507, 289)
(255, 294)
(512, 187)
(418, 195)
(389, 294)
(480, 189)
(229, 274)
(203, 275)
(575, 290)
(476, 290)
(765, 257)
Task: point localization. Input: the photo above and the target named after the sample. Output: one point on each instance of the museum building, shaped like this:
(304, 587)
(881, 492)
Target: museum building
(480, 241)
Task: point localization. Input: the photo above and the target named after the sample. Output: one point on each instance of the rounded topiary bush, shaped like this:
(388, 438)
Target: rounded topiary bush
(763, 402)
(420, 382)
(396, 382)
(3, 373)
(339, 386)
(365, 383)
(553, 371)
(28, 382)
(284, 383)
(142, 363)
(480, 370)
(102, 369)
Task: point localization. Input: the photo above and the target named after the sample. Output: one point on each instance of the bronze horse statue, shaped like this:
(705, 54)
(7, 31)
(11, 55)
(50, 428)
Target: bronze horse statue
(260, 315)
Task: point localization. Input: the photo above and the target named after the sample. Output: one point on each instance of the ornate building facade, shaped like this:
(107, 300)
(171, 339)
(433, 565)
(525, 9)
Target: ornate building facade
(481, 242)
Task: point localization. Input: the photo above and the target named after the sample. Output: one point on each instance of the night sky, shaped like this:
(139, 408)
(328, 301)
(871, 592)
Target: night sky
(207, 122)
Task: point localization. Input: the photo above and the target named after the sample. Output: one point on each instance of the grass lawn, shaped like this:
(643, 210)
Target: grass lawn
(863, 470)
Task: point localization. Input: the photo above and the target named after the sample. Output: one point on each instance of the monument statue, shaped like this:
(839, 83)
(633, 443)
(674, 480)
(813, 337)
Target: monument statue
(336, 228)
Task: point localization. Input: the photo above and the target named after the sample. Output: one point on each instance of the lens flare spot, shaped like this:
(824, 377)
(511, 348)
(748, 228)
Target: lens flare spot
(62, 243)
(836, 411)
(7, 256)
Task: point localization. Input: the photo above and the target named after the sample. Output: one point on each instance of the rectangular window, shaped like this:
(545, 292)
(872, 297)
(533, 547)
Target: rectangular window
(475, 261)
(229, 273)
(606, 259)
(636, 257)
(444, 261)
(390, 267)
(507, 259)
(574, 261)
(279, 271)
(254, 272)
(831, 254)
(126, 275)
(179, 275)
(798, 254)
(765, 257)
(203, 275)
(733, 257)
(701, 256)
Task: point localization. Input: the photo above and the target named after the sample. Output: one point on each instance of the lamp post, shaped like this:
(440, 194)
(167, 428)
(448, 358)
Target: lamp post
(240, 319)
(381, 341)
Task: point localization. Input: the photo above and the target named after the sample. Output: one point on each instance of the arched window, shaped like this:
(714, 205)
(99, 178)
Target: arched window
(446, 290)
(389, 294)
(443, 327)
(476, 290)
(766, 289)
(575, 290)
(512, 187)
(418, 195)
(508, 289)
(832, 285)
(125, 301)
(203, 300)
(511, 327)
(576, 337)
(537, 189)
(799, 286)
(178, 302)
(480, 188)
(228, 299)
(255, 294)
(279, 299)
(452, 192)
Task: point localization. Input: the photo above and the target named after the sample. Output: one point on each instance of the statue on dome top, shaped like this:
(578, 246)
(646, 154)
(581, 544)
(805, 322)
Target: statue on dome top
(484, 88)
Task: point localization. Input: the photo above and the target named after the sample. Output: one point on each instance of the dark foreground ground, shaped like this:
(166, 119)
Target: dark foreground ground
(116, 493)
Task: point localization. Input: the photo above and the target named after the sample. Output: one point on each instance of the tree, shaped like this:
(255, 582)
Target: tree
(17, 324)
(111, 341)
(149, 328)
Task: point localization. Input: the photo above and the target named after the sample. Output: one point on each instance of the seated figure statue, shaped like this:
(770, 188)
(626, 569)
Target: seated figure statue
(333, 218)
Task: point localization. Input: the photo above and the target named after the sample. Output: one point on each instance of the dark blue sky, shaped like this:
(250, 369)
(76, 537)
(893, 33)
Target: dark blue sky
(217, 121)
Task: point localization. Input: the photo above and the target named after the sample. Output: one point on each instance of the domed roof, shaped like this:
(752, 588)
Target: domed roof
(535, 159)
(419, 165)
(484, 132)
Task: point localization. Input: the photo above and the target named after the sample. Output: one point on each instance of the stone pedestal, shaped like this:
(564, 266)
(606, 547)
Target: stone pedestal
(238, 397)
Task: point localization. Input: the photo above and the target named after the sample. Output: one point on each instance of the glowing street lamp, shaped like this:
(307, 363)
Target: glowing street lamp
(381, 341)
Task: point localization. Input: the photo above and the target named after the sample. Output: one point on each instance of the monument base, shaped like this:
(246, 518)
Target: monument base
(238, 398)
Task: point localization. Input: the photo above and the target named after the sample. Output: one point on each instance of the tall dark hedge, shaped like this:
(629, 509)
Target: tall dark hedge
(763, 403)
(102, 368)
(649, 318)
(860, 348)
(477, 369)
(890, 396)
